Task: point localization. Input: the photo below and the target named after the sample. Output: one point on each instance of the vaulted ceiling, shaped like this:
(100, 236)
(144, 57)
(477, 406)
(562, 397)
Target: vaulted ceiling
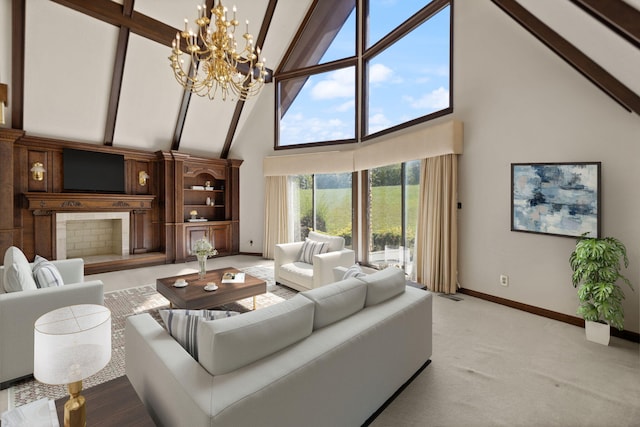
(97, 71)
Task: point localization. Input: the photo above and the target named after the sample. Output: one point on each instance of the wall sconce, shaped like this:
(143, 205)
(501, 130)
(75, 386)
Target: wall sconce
(4, 100)
(37, 171)
(143, 177)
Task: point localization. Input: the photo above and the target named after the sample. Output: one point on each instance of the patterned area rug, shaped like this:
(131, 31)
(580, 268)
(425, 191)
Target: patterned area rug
(127, 302)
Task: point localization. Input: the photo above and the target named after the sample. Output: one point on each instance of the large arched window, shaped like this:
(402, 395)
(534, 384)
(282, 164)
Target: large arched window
(361, 68)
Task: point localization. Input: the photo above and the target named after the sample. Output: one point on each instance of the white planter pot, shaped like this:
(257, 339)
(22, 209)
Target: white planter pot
(597, 332)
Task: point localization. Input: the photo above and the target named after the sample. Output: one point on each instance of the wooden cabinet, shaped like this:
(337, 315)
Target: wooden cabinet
(206, 204)
(218, 234)
(161, 191)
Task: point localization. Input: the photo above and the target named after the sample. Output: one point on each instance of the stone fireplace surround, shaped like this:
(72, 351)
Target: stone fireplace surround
(118, 245)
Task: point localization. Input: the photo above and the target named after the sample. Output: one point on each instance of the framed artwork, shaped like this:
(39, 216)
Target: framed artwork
(562, 199)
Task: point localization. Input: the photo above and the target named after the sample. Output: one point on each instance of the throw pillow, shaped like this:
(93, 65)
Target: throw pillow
(17, 271)
(45, 273)
(353, 271)
(311, 248)
(183, 325)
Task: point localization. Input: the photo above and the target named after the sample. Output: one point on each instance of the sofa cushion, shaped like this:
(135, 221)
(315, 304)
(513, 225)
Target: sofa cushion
(298, 272)
(336, 301)
(45, 273)
(17, 271)
(336, 243)
(311, 248)
(228, 344)
(383, 285)
(183, 325)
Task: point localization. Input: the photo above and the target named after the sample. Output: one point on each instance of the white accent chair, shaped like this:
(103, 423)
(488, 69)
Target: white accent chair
(291, 272)
(19, 311)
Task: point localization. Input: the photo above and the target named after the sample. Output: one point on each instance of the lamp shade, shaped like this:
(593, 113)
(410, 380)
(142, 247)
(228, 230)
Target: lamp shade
(71, 343)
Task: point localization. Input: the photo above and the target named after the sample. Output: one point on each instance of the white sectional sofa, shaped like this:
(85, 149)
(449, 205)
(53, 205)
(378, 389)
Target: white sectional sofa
(331, 356)
(20, 310)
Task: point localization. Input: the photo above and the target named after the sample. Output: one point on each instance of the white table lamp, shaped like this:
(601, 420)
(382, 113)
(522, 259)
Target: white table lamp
(71, 344)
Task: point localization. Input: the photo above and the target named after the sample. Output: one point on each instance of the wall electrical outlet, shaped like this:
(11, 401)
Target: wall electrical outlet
(504, 280)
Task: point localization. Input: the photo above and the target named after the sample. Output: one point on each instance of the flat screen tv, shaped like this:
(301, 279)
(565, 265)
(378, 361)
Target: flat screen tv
(92, 171)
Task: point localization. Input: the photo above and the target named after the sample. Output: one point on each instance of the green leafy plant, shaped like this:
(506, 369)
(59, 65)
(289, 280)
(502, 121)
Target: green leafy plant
(596, 265)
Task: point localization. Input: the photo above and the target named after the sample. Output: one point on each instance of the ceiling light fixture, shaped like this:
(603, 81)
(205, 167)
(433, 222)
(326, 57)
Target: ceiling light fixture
(215, 63)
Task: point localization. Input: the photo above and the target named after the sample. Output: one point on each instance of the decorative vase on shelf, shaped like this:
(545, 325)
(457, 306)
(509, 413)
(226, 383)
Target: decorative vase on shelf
(208, 201)
(202, 266)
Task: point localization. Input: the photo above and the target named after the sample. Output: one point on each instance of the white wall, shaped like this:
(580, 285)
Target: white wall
(519, 103)
(252, 144)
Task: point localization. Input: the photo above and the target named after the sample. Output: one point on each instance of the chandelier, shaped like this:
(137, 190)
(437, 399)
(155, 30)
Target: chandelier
(216, 64)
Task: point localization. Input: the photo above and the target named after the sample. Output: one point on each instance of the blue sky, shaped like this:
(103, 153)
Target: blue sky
(408, 80)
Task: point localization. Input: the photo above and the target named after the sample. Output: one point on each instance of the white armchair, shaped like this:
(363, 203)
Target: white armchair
(291, 272)
(20, 310)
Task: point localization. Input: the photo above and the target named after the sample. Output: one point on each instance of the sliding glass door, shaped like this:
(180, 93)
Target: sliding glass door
(391, 205)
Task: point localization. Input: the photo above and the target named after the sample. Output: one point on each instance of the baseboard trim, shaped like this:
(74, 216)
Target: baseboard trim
(396, 394)
(251, 253)
(573, 320)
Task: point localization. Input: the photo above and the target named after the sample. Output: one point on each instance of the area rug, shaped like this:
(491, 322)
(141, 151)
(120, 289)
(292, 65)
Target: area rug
(127, 302)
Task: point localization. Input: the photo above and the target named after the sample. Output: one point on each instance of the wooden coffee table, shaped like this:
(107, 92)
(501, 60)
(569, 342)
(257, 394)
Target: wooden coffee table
(194, 297)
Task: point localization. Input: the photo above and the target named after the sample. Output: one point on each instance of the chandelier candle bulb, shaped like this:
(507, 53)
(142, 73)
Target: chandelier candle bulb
(218, 64)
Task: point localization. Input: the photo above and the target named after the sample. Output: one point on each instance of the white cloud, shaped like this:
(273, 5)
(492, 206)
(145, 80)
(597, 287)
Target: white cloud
(297, 129)
(379, 73)
(346, 106)
(434, 100)
(338, 84)
(378, 122)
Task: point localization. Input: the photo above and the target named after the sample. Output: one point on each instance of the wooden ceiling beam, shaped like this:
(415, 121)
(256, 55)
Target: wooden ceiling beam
(572, 55)
(118, 73)
(18, 22)
(114, 13)
(262, 35)
(619, 16)
(186, 99)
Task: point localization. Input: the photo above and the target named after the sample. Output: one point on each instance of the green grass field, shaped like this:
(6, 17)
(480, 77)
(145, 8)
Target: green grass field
(334, 205)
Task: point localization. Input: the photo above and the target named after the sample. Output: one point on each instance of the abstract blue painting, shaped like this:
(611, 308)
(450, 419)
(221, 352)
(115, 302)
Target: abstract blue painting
(556, 198)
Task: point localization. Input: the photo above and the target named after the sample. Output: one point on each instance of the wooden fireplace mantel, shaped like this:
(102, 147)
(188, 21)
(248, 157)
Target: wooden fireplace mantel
(85, 202)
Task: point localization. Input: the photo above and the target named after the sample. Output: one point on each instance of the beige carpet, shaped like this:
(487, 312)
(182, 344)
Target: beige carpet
(496, 366)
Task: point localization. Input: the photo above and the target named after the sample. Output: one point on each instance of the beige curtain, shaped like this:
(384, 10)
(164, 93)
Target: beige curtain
(436, 234)
(276, 213)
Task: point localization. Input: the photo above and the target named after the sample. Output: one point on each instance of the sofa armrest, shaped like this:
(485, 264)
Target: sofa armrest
(285, 253)
(323, 265)
(71, 270)
(20, 310)
(175, 389)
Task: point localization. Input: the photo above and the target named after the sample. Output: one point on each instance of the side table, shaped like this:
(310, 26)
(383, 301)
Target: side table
(114, 403)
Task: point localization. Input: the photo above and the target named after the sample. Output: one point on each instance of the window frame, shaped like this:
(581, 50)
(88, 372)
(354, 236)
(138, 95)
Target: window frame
(311, 23)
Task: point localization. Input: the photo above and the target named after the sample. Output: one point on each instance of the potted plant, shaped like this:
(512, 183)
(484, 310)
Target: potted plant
(596, 264)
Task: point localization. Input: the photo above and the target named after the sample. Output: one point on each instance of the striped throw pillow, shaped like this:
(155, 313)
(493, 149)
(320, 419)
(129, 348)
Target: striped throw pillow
(45, 273)
(183, 325)
(311, 248)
